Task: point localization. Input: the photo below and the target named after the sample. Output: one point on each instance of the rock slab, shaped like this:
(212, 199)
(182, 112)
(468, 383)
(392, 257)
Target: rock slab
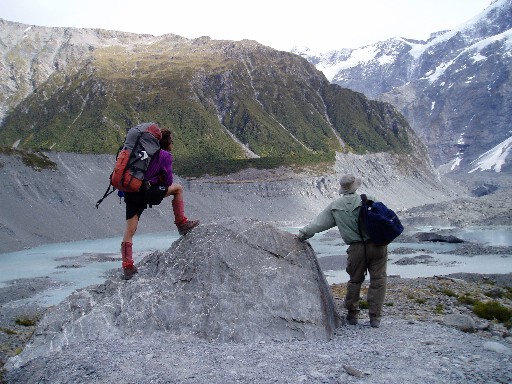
(234, 281)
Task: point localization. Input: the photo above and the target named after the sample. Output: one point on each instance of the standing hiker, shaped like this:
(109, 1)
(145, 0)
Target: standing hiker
(160, 180)
(362, 252)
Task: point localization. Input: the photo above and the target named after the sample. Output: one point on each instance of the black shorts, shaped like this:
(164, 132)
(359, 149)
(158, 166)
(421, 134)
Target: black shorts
(137, 202)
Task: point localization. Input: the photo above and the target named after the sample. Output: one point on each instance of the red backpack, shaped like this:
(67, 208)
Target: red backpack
(141, 144)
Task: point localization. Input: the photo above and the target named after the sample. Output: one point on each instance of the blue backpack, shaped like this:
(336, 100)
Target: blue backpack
(381, 223)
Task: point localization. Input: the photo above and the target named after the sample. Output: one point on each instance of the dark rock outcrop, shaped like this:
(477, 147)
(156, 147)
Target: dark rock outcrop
(437, 238)
(236, 281)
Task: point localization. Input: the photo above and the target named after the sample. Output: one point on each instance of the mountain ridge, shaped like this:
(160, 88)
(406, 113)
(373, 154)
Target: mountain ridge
(453, 89)
(227, 103)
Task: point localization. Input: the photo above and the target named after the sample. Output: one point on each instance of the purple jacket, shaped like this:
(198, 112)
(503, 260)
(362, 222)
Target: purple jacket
(160, 169)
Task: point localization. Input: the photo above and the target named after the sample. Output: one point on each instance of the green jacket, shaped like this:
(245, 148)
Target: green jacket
(343, 213)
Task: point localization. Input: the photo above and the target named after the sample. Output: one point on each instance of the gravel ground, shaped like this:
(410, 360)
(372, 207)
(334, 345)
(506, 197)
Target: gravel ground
(489, 210)
(398, 352)
(412, 344)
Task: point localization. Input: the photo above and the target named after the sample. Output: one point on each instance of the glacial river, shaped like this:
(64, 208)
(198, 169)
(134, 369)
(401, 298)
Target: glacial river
(62, 261)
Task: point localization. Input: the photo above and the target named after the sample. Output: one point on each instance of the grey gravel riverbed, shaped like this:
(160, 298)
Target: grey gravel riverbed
(400, 351)
(413, 344)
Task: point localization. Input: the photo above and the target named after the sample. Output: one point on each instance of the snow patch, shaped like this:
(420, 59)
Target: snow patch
(478, 57)
(455, 163)
(386, 59)
(357, 56)
(435, 74)
(493, 159)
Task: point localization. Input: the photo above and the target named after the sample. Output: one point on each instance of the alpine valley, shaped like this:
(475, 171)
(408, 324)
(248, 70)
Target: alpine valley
(258, 132)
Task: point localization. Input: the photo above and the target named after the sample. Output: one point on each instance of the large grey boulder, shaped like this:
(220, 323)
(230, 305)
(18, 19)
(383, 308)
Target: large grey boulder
(463, 322)
(233, 281)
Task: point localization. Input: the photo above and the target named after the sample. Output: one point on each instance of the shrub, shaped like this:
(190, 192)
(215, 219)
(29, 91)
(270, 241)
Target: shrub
(508, 293)
(466, 299)
(26, 321)
(448, 292)
(34, 159)
(363, 304)
(492, 310)
(8, 331)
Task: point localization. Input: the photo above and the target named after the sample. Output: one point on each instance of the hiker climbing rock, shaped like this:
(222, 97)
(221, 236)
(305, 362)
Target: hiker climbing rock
(157, 185)
(363, 253)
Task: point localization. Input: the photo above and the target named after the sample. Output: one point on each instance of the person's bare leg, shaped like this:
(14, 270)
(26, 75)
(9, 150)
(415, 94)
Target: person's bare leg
(130, 229)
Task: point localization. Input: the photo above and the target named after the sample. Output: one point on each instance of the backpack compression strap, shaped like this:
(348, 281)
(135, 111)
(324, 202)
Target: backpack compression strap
(107, 192)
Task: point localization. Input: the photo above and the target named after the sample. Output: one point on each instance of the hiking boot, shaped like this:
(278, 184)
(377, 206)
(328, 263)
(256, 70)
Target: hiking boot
(352, 320)
(352, 317)
(374, 322)
(187, 226)
(129, 272)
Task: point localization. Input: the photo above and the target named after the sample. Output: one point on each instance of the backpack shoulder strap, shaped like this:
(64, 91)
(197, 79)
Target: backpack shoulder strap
(362, 211)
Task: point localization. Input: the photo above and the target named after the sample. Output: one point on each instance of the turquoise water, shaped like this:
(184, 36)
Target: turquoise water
(329, 243)
(47, 260)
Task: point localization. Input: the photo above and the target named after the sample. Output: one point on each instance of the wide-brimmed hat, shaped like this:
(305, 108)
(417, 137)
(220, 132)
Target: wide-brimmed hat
(349, 184)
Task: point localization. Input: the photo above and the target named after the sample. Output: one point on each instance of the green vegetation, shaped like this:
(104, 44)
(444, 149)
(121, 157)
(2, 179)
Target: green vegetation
(196, 168)
(505, 292)
(363, 304)
(448, 292)
(27, 321)
(8, 331)
(508, 293)
(492, 310)
(216, 97)
(35, 160)
(467, 299)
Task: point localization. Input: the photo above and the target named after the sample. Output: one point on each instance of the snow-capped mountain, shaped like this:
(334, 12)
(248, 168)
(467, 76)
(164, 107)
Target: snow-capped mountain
(455, 88)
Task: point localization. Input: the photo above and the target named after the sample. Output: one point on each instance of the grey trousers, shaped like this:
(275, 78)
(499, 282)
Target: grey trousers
(377, 257)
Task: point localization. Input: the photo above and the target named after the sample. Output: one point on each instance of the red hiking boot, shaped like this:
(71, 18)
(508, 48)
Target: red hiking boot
(128, 268)
(187, 226)
(129, 272)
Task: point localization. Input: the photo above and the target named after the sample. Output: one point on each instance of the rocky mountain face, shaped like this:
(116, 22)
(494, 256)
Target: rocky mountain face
(78, 90)
(454, 89)
(31, 54)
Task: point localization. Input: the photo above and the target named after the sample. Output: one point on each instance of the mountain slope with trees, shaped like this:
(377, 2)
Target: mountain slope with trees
(229, 104)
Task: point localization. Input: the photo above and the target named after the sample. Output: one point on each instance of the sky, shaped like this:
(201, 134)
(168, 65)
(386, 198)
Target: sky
(321, 25)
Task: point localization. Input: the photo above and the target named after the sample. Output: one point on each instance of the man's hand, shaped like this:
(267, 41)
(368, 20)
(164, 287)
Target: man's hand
(302, 237)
